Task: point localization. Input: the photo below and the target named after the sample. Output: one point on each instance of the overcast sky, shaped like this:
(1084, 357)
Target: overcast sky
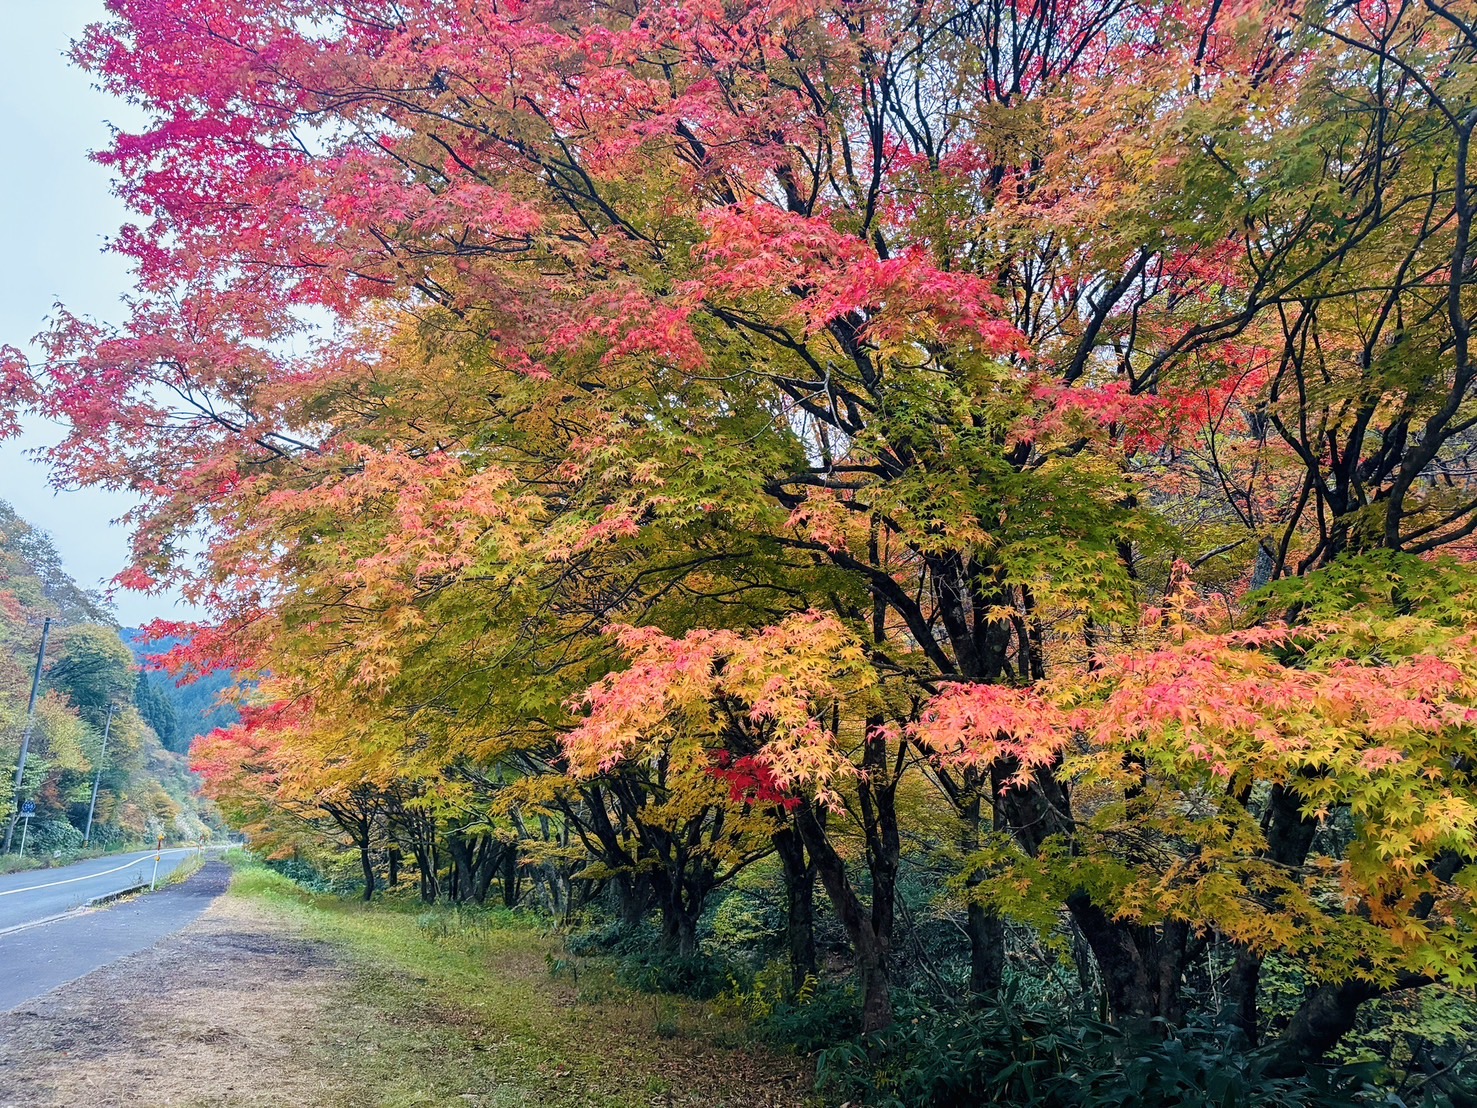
(56, 209)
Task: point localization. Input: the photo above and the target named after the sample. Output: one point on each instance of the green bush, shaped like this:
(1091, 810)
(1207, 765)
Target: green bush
(952, 1058)
(1192, 1067)
(747, 917)
(303, 873)
(820, 1017)
(109, 837)
(50, 836)
(699, 976)
(940, 1058)
(469, 922)
(611, 937)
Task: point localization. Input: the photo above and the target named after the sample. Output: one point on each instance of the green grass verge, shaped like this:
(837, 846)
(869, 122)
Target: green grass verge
(187, 869)
(483, 1007)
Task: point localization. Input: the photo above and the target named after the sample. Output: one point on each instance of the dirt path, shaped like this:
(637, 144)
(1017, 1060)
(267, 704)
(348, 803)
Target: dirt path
(228, 1011)
(244, 1007)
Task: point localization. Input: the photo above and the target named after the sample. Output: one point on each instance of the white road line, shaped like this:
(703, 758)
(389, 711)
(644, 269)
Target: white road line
(42, 922)
(104, 873)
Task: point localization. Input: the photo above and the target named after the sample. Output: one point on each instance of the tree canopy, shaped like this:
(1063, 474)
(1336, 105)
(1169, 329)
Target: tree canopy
(631, 440)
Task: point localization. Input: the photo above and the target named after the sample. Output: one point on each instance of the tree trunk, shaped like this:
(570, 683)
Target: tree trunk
(425, 863)
(875, 972)
(1131, 998)
(679, 933)
(355, 813)
(367, 865)
(484, 866)
(799, 906)
(1133, 988)
(1289, 839)
(873, 964)
(680, 914)
(1325, 1017)
(474, 862)
(985, 929)
(1245, 979)
(1172, 944)
(416, 829)
(877, 797)
(509, 878)
(392, 857)
(986, 951)
(461, 867)
(632, 895)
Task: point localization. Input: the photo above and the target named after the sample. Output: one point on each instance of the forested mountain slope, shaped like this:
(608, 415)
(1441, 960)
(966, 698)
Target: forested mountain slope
(179, 710)
(144, 789)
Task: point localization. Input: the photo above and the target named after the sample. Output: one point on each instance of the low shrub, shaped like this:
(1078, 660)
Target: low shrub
(253, 878)
(699, 976)
(956, 1057)
(303, 873)
(1194, 1068)
(53, 836)
(469, 922)
(640, 963)
(611, 937)
(944, 1058)
(820, 1016)
(110, 836)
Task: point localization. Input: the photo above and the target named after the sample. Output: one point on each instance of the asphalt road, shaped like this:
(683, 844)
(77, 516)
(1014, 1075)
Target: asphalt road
(41, 893)
(36, 960)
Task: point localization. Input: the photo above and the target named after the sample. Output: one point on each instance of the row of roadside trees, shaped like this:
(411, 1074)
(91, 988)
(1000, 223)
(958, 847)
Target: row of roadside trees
(1031, 441)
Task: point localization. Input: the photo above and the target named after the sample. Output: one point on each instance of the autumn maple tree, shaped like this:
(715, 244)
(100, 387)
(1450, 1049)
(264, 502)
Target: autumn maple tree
(696, 430)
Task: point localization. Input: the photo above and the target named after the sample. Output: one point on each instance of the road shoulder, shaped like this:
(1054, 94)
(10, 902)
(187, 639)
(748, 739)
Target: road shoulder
(227, 1011)
(47, 955)
(278, 997)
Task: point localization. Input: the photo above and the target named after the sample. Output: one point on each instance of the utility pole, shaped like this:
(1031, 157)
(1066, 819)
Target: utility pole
(98, 780)
(20, 766)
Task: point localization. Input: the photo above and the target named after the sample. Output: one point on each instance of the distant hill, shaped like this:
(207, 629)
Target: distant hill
(31, 571)
(90, 686)
(183, 711)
